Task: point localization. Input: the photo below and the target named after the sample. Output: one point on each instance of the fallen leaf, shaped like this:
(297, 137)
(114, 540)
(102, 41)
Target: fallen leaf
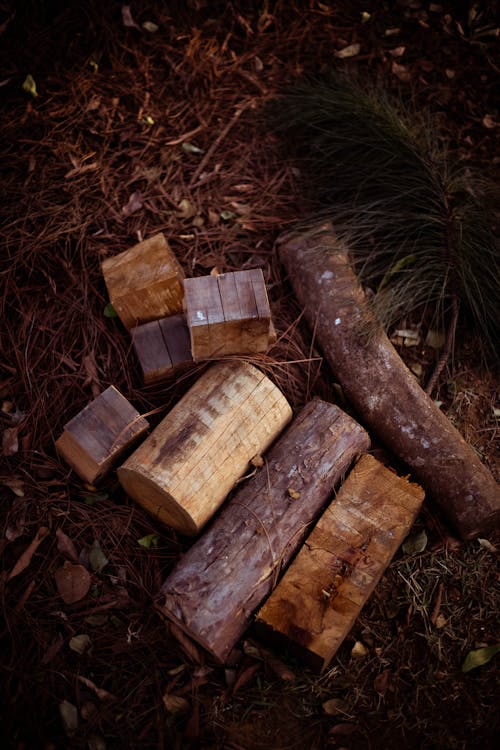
(29, 86)
(127, 18)
(435, 339)
(489, 122)
(103, 695)
(359, 650)
(150, 26)
(73, 582)
(400, 71)
(487, 545)
(415, 543)
(244, 676)
(228, 215)
(28, 553)
(417, 369)
(280, 670)
(69, 716)
(97, 558)
(151, 540)
(175, 704)
(96, 620)
(441, 621)
(335, 707)
(382, 681)
(133, 204)
(257, 461)
(17, 519)
(66, 546)
(350, 51)
(342, 730)
(109, 311)
(397, 51)
(293, 493)
(80, 643)
(16, 485)
(186, 209)
(479, 656)
(190, 148)
(10, 442)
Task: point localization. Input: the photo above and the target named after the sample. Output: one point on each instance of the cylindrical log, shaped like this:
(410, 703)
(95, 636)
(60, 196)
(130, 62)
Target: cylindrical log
(187, 466)
(381, 388)
(226, 574)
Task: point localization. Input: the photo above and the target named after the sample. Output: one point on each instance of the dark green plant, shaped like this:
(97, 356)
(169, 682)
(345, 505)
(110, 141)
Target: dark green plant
(417, 223)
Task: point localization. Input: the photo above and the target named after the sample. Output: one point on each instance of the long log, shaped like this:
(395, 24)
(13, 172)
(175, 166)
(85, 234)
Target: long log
(226, 574)
(384, 392)
(321, 594)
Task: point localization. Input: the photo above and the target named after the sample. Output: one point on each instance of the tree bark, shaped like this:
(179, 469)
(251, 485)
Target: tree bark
(384, 392)
(217, 585)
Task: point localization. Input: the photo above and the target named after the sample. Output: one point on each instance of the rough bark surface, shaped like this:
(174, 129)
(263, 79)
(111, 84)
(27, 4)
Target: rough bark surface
(381, 388)
(223, 578)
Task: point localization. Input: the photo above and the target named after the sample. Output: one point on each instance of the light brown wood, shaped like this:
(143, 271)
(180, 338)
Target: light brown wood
(162, 347)
(185, 469)
(381, 388)
(228, 314)
(145, 282)
(223, 578)
(94, 440)
(320, 596)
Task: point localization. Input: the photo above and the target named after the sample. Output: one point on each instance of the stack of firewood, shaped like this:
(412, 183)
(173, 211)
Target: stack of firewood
(225, 428)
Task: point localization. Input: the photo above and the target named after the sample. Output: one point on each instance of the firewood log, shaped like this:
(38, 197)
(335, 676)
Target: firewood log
(217, 585)
(384, 392)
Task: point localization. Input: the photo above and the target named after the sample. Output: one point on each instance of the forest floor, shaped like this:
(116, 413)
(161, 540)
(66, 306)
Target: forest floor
(148, 118)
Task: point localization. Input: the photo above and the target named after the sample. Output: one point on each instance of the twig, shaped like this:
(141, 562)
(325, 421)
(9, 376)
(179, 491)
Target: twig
(201, 166)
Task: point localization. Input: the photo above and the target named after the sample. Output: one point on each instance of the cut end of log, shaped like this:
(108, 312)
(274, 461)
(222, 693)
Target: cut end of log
(320, 596)
(145, 282)
(183, 472)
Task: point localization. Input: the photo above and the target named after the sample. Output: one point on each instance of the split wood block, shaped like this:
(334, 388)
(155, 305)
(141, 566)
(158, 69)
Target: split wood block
(228, 314)
(190, 462)
(94, 440)
(320, 596)
(162, 347)
(217, 585)
(145, 282)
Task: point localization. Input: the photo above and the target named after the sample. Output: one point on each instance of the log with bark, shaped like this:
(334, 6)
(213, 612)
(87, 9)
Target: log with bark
(321, 594)
(384, 392)
(226, 574)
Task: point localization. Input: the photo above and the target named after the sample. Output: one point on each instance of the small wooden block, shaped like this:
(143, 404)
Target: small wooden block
(145, 282)
(96, 438)
(162, 347)
(320, 596)
(228, 314)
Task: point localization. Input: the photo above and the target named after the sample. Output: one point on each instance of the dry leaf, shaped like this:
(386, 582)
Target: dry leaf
(17, 518)
(401, 71)
(66, 546)
(397, 51)
(80, 643)
(127, 18)
(73, 582)
(359, 650)
(103, 695)
(16, 485)
(175, 704)
(350, 51)
(10, 443)
(28, 553)
(293, 493)
(186, 209)
(69, 716)
(257, 461)
(335, 706)
(133, 204)
(382, 682)
(489, 122)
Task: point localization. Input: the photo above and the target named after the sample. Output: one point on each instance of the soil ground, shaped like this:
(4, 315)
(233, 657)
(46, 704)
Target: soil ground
(147, 118)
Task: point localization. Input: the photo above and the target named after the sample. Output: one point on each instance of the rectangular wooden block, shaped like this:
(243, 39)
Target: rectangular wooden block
(162, 347)
(145, 282)
(228, 314)
(94, 440)
(320, 596)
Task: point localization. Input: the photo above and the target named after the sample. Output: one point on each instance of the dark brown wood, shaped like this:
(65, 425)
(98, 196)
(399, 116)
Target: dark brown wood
(321, 594)
(381, 388)
(94, 440)
(162, 347)
(219, 582)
